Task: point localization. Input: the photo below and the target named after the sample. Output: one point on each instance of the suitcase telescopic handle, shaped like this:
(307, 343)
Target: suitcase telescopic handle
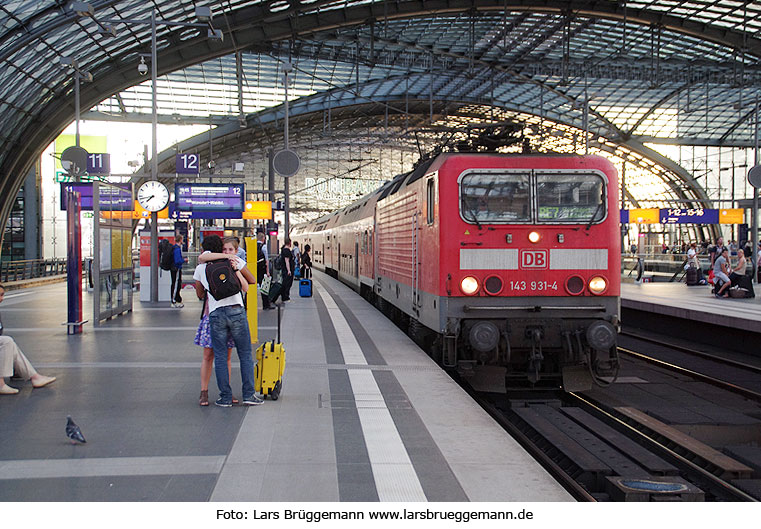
(278, 323)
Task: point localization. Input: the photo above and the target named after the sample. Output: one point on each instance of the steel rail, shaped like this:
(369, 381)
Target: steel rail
(695, 352)
(748, 393)
(571, 485)
(597, 409)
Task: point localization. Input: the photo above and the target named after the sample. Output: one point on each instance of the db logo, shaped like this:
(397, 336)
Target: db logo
(533, 259)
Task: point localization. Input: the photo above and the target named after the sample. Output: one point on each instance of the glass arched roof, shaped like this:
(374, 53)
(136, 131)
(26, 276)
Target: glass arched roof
(658, 72)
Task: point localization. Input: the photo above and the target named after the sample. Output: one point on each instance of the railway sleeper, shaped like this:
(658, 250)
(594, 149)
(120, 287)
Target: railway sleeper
(600, 467)
(718, 464)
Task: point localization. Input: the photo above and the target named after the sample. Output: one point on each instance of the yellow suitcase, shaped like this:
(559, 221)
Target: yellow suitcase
(270, 365)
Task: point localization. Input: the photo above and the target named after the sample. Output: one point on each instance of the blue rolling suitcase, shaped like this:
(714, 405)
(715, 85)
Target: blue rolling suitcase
(305, 288)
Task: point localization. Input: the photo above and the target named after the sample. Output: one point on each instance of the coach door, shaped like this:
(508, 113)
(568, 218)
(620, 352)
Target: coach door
(356, 256)
(415, 264)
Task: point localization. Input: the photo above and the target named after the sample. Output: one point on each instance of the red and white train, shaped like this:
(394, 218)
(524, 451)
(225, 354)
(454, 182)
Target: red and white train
(505, 266)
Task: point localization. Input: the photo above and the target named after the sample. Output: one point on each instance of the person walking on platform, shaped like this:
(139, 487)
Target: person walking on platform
(176, 271)
(227, 316)
(296, 257)
(286, 256)
(721, 271)
(262, 267)
(306, 262)
(12, 360)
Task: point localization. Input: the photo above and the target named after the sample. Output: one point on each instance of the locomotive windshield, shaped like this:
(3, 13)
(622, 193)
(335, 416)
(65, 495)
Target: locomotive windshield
(496, 197)
(570, 198)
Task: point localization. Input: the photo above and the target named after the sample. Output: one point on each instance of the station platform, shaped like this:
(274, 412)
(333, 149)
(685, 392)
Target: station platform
(695, 304)
(364, 414)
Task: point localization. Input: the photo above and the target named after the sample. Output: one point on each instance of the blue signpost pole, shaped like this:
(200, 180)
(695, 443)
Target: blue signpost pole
(74, 263)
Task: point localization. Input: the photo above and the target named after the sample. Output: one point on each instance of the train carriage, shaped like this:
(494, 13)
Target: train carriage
(506, 267)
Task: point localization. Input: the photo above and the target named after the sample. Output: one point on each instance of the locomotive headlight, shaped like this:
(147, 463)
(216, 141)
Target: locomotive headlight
(469, 285)
(534, 237)
(597, 285)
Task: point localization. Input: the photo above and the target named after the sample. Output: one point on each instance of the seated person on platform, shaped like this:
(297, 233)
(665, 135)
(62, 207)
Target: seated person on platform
(13, 360)
(720, 272)
(739, 270)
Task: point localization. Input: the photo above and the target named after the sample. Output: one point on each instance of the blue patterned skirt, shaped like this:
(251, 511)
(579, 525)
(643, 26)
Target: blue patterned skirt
(203, 335)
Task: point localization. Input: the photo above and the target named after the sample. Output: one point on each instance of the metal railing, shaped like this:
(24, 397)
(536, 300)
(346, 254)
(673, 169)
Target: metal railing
(29, 269)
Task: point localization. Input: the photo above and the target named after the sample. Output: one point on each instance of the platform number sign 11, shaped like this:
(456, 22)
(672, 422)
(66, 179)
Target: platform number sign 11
(188, 163)
(99, 163)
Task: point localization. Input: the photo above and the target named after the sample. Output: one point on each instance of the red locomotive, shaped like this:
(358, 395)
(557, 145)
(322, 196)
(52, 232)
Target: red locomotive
(505, 266)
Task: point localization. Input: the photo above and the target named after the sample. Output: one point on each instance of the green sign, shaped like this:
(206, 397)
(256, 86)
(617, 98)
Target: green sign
(61, 176)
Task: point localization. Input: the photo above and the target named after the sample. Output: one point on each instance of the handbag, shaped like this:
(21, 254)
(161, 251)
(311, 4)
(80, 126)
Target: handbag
(264, 288)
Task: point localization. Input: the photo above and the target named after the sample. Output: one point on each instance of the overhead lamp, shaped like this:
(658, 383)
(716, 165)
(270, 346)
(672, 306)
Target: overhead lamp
(203, 14)
(83, 9)
(69, 61)
(107, 30)
(215, 34)
(72, 63)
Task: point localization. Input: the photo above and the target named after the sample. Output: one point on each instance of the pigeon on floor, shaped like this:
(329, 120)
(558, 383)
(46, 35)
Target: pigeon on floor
(73, 432)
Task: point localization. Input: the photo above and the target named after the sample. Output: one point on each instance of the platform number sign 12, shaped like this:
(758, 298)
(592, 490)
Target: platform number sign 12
(188, 163)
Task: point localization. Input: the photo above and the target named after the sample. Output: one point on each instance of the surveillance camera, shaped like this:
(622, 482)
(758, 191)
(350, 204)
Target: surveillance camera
(142, 68)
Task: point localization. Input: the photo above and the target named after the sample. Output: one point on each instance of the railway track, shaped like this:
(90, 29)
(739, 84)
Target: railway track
(733, 375)
(605, 454)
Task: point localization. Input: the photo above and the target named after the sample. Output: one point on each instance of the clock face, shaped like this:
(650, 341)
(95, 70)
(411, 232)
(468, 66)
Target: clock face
(153, 196)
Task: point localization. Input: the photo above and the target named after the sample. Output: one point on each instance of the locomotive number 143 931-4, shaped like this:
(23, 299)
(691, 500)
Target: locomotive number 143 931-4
(533, 285)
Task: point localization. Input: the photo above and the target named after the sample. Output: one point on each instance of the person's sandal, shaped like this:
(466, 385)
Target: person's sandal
(204, 399)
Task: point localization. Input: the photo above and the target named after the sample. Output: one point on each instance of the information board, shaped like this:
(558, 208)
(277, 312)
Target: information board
(682, 216)
(689, 216)
(113, 197)
(209, 197)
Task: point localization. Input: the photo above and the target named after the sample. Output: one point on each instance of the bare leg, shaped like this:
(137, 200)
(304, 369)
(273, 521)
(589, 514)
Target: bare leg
(207, 366)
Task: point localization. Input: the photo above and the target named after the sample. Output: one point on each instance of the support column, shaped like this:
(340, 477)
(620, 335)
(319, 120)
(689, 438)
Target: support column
(32, 217)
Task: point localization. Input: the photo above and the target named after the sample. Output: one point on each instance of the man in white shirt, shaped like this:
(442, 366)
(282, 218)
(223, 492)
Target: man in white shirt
(227, 316)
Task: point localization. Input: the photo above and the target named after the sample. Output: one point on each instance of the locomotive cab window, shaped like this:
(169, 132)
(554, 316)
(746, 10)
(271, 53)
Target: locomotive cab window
(573, 198)
(495, 197)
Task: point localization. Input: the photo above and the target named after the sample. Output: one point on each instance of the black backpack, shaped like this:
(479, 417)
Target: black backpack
(166, 255)
(222, 279)
(279, 263)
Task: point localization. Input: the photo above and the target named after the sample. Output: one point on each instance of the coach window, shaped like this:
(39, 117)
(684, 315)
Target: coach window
(570, 197)
(430, 192)
(495, 197)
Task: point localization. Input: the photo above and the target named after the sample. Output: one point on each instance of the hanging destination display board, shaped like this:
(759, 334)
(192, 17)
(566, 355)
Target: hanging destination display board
(112, 197)
(209, 197)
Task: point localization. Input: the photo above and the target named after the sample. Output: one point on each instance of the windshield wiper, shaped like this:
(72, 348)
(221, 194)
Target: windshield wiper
(474, 217)
(591, 221)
